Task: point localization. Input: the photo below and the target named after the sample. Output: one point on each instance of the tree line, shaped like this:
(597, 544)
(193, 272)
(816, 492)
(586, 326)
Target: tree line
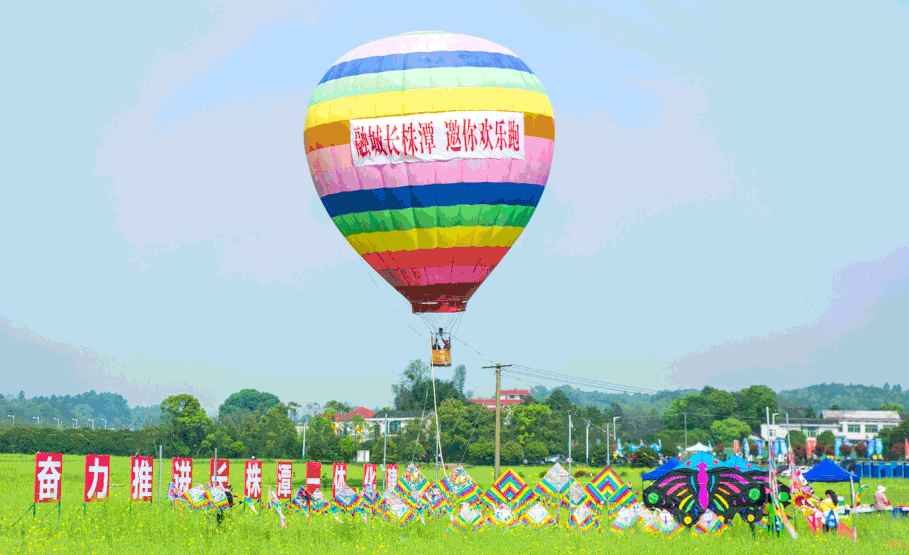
(253, 423)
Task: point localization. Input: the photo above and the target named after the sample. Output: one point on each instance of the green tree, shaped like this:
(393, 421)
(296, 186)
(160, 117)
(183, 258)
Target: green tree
(348, 448)
(721, 403)
(481, 453)
(536, 451)
(525, 423)
(692, 408)
(337, 407)
(892, 406)
(414, 390)
(728, 430)
(245, 401)
(321, 440)
(187, 423)
(826, 437)
(752, 404)
(797, 437)
(512, 453)
(645, 457)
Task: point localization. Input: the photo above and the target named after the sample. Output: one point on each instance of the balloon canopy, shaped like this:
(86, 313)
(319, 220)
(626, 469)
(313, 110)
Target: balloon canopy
(430, 152)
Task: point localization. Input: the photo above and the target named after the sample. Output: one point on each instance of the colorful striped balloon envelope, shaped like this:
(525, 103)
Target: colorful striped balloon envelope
(430, 151)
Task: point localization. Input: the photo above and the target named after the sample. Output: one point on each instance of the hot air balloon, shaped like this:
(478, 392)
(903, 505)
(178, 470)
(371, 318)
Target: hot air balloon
(430, 152)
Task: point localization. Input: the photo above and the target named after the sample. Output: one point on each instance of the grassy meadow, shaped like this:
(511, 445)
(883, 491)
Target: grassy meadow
(119, 526)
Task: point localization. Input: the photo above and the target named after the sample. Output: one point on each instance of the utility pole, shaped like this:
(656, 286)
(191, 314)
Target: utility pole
(686, 431)
(105, 423)
(615, 427)
(587, 443)
(303, 455)
(608, 449)
(498, 451)
(569, 443)
(92, 420)
(38, 418)
(384, 451)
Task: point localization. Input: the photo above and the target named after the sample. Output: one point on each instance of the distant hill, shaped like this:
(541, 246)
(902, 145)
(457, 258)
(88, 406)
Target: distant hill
(636, 403)
(847, 397)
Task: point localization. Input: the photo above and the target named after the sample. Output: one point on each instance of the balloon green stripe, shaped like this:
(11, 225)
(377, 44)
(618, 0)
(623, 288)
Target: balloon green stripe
(426, 78)
(405, 219)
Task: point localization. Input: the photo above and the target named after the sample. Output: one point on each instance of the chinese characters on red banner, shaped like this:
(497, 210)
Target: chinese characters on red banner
(313, 476)
(369, 475)
(436, 137)
(97, 477)
(48, 477)
(182, 474)
(252, 479)
(285, 476)
(140, 478)
(339, 479)
(391, 476)
(219, 472)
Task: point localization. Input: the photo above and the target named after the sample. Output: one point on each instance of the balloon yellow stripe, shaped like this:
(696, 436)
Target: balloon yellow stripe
(435, 238)
(424, 101)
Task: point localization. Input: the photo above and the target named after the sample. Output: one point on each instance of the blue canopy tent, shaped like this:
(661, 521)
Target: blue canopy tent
(660, 471)
(829, 471)
(741, 464)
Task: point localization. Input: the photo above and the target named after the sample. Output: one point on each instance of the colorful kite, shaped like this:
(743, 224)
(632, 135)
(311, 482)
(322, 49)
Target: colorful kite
(552, 488)
(624, 520)
(509, 490)
(459, 486)
(687, 493)
(537, 517)
(468, 518)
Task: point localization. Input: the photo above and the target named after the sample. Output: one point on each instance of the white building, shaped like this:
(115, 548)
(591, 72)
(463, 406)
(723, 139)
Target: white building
(506, 397)
(392, 422)
(851, 425)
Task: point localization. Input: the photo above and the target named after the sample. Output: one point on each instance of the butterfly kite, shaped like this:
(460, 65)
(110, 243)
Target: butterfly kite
(688, 493)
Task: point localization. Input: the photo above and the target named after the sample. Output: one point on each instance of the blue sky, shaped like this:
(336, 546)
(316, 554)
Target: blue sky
(726, 206)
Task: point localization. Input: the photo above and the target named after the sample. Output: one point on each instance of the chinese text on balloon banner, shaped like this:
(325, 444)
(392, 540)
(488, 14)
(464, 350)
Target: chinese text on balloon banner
(437, 137)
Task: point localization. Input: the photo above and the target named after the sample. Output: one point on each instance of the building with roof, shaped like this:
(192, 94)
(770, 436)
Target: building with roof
(392, 422)
(850, 425)
(506, 397)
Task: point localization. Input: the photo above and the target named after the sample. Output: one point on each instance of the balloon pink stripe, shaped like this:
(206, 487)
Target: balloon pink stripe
(333, 170)
(423, 43)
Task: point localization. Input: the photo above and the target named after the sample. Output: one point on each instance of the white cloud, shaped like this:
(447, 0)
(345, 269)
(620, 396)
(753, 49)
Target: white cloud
(609, 178)
(233, 172)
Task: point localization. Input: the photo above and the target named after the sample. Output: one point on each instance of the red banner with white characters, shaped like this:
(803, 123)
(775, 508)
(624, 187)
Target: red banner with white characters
(48, 477)
(437, 137)
(391, 476)
(339, 477)
(218, 472)
(252, 479)
(182, 474)
(97, 478)
(369, 475)
(313, 476)
(285, 479)
(141, 474)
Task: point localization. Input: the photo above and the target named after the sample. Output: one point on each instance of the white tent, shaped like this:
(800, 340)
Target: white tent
(699, 447)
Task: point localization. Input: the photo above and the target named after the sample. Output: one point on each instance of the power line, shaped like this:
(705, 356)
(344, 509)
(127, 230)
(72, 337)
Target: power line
(576, 380)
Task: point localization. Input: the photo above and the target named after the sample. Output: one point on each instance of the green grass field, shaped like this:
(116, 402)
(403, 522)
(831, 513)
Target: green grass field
(118, 526)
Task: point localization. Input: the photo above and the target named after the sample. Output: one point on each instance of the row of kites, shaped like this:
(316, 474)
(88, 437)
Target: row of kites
(700, 495)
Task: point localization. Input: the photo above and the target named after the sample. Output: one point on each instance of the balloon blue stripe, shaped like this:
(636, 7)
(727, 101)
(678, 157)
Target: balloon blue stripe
(424, 196)
(417, 60)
